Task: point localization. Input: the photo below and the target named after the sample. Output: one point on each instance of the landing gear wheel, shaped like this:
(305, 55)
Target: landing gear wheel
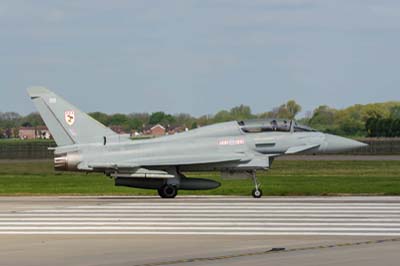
(257, 193)
(167, 192)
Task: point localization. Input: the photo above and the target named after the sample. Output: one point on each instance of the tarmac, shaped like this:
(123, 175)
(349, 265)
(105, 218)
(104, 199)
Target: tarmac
(199, 231)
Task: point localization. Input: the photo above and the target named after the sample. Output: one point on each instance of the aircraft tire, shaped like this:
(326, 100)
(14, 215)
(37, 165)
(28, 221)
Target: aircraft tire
(167, 192)
(257, 193)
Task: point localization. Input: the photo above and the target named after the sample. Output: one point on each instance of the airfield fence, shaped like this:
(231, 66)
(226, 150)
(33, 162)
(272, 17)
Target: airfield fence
(26, 149)
(38, 149)
(378, 146)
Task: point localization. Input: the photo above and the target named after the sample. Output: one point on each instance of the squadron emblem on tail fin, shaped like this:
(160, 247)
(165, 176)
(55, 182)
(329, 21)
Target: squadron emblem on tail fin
(69, 117)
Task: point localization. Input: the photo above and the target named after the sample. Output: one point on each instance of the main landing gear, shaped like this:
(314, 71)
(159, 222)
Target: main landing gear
(257, 192)
(168, 191)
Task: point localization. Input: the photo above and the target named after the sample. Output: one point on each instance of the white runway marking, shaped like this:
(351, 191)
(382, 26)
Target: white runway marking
(218, 211)
(224, 224)
(206, 215)
(347, 216)
(232, 204)
(184, 219)
(195, 233)
(207, 207)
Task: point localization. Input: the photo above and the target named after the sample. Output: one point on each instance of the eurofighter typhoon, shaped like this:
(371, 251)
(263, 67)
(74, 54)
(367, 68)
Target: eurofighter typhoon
(237, 149)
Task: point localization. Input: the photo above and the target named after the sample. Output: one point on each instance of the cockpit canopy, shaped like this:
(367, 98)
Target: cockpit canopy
(268, 125)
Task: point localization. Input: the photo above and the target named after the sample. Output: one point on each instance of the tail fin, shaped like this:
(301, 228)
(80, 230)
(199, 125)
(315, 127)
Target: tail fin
(67, 124)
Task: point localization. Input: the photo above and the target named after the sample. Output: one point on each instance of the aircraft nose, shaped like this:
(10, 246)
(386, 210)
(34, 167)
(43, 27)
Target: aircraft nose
(335, 144)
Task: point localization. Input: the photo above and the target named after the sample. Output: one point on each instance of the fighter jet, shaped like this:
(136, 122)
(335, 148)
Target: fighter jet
(237, 149)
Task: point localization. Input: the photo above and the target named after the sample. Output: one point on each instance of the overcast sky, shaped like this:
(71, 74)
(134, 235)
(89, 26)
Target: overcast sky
(200, 56)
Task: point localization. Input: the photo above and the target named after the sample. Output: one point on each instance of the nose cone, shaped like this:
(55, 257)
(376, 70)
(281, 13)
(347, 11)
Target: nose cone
(337, 144)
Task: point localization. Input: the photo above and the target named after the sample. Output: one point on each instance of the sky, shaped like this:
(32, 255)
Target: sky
(202, 56)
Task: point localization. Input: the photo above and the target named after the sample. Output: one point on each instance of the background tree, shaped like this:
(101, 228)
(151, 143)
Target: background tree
(135, 122)
(194, 125)
(118, 119)
(323, 118)
(266, 115)
(396, 127)
(222, 116)
(10, 120)
(183, 120)
(395, 112)
(101, 117)
(161, 118)
(241, 112)
(289, 110)
(32, 119)
(293, 109)
(143, 118)
(204, 120)
(371, 126)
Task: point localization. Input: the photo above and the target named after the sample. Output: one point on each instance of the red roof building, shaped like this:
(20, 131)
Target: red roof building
(40, 132)
(118, 129)
(27, 133)
(157, 130)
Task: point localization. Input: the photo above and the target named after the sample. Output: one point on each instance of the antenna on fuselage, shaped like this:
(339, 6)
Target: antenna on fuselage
(292, 126)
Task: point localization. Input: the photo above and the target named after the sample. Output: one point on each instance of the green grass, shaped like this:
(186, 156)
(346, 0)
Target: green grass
(286, 178)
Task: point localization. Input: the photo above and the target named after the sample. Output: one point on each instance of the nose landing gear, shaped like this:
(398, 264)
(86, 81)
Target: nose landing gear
(257, 192)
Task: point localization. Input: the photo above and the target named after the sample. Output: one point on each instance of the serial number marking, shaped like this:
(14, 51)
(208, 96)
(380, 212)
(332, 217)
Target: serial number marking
(231, 142)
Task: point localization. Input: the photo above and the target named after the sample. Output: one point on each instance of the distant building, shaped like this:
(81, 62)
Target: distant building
(40, 132)
(43, 132)
(118, 129)
(174, 130)
(157, 130)
(27, 133)
(135, 133)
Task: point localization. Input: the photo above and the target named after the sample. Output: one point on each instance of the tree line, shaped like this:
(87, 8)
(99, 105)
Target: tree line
(355, 120)
(383, 127)
(374, 120)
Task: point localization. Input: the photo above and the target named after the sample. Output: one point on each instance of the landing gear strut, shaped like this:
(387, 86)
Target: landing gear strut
(257, 192)
(168, 191)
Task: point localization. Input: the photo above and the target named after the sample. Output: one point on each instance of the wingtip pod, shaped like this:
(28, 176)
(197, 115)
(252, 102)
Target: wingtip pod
(37, 91)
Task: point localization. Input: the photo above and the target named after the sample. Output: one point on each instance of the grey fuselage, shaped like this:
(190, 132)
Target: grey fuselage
(200, 149)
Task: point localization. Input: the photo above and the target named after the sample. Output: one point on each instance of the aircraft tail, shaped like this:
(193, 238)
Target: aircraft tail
(67, 124)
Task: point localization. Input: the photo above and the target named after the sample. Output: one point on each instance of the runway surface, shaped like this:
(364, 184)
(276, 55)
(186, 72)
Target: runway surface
(198, 230)
(214, 216)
